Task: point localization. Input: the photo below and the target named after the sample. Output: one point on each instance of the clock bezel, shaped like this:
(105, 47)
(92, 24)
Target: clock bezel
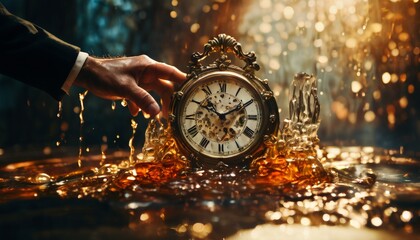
(269, 112)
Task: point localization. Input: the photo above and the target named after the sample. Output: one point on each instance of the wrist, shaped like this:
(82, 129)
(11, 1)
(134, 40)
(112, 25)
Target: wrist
(74, 72)
(87, 72)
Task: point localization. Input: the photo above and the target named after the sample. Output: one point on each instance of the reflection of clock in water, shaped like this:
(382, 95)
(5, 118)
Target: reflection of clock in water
(223, 112)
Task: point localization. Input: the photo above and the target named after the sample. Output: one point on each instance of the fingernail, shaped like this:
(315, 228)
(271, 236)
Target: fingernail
(153, 109)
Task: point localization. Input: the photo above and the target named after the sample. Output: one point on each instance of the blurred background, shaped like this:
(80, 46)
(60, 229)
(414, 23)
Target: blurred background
(364, 53)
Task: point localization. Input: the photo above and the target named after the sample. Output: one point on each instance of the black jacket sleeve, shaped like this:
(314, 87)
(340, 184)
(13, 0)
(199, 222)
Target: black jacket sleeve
(32, 55)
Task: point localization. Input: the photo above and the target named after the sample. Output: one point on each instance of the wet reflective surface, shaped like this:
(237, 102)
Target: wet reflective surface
(364, 188)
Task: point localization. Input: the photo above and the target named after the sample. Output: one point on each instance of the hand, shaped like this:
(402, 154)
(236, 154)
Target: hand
(131, 78)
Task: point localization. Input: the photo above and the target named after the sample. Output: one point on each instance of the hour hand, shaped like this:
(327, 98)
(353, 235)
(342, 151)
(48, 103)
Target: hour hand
(209, 106)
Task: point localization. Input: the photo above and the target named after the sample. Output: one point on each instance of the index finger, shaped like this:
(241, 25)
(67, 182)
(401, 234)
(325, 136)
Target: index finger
(166, 72)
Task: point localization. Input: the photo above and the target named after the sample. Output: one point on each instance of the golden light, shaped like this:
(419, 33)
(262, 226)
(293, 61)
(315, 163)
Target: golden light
(369, 116)
(319, 26)
(410, 89)
(356, 86)
(406, 216)
(386, 77)
(376, 221)
(351, 43)
(288, 12)
(403, 102)
(173, 14)
(144, 217)
(353, 46)
(194, 27)
(376, 27)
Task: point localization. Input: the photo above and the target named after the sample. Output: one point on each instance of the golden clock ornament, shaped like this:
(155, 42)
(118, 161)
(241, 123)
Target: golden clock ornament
(222, 113)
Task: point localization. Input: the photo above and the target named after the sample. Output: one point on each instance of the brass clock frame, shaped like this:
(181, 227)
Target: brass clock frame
(222, 68)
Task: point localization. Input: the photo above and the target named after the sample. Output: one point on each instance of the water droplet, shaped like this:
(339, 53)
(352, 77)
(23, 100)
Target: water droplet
(60, 109)
(124, 102)
(42, 178)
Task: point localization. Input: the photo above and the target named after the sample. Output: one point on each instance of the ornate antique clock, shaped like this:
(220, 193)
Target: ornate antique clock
(223, 112)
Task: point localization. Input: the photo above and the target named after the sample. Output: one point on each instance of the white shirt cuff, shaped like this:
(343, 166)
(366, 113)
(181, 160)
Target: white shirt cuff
(80, 60)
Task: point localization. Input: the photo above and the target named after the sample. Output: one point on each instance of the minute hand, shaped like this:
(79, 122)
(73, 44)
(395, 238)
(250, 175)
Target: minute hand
(238, 107)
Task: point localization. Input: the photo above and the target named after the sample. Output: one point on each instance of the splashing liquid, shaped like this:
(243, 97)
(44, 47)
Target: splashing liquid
(60, 116)
(82, 109)
(131, 160)
(291, 157)
(60, 109)
(160, 160)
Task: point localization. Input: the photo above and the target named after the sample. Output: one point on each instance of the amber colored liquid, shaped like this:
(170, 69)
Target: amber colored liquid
(296, 168)
(162, 162)
(161, 159)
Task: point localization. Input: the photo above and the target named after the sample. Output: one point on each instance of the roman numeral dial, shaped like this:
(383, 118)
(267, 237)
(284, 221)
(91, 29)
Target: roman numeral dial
(221, 117)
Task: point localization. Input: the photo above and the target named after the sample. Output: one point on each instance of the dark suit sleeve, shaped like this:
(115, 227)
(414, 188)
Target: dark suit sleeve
(30, 54)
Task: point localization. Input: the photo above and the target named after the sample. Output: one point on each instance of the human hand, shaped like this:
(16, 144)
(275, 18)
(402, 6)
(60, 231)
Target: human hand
(131, 78)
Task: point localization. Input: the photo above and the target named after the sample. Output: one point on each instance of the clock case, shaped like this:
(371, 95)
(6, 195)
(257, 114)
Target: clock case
(222, 67)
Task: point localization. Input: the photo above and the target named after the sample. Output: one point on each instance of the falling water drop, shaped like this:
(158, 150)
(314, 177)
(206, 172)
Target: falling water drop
(124, 102)
(130, 142)
(60, 109)
(145, 115)
(82, 108)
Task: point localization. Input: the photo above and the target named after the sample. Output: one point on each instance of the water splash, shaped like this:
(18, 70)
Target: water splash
(291, 156)
(160, 159)
(82, 109)
(60, 109)
(299, 131)
(131, 160)
(124, 102)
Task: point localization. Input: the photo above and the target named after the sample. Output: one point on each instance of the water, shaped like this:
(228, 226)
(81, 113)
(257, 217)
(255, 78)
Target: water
(156, 194)
(370, 188)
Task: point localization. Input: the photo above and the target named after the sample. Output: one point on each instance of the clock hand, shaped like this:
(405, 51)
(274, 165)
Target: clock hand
(222, 116)
(241, 106)
(210, 106)
(238, 108)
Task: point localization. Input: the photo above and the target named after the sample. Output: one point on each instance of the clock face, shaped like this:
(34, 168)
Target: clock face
(221, 117)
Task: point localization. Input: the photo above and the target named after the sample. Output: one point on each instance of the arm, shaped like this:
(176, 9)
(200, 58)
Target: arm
(30, 54)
